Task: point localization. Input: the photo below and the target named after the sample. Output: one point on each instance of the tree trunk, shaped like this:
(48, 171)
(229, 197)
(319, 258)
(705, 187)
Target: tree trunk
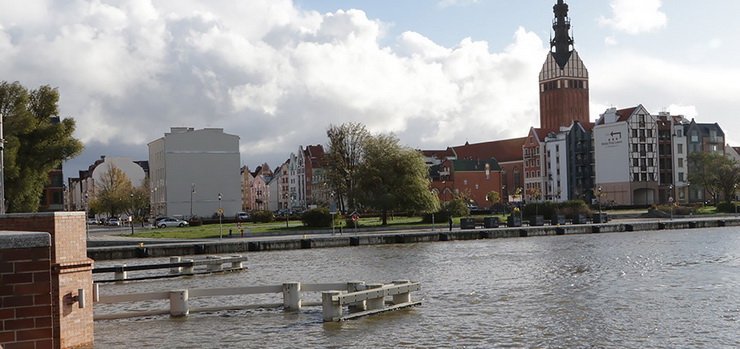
(384, 216)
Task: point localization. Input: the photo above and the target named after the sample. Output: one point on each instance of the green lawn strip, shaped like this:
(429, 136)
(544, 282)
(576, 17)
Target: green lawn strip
(212, 230)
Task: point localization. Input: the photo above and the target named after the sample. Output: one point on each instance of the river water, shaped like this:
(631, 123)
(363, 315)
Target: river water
(664, 289)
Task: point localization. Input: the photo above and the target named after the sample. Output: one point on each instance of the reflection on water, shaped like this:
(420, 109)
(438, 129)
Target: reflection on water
(664, 289)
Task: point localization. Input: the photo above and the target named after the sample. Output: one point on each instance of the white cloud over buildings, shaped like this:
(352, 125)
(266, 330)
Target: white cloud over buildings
(636, 16)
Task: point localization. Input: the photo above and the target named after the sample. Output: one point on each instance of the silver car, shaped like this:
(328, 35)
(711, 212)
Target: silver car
(171, 222)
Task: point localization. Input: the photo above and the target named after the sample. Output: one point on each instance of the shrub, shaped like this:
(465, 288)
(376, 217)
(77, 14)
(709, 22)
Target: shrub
(677, 210)
(263, 216)
(726, 207)
(549, 208)
(441, 216)
(317, 218)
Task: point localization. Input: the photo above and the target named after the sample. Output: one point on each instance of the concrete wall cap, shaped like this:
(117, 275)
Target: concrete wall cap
(15, 240)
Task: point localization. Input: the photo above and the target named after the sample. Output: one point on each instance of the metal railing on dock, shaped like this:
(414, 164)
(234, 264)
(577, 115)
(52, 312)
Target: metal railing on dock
(360, 298)
(177, 266)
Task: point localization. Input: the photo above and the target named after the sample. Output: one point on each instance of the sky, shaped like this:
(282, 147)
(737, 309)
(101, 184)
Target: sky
(277, 73)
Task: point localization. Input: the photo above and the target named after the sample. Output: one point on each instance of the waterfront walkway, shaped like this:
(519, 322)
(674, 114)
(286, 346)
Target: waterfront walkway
(114, 244)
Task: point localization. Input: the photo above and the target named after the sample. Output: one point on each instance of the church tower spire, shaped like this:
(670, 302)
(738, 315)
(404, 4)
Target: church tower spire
(564, 90)
(561, 45)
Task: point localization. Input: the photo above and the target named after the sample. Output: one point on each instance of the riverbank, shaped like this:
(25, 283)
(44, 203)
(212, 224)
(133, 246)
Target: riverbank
(310, 240)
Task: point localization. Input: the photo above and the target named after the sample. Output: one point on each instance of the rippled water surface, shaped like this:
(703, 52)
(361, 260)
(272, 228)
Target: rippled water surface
(667, 289)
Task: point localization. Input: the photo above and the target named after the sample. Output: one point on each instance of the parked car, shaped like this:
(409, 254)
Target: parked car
(113, 222)
(242, 216)
(171, 222)
(92, 221)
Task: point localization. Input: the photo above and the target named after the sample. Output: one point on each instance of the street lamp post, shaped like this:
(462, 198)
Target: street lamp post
(87, 226)
(131, 218)
(670, 199)
(220, 214)
(733, 193)
(600, 201)
(192, 193)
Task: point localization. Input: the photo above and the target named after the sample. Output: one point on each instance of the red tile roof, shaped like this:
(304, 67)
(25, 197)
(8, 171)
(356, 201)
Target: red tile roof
(503, 151)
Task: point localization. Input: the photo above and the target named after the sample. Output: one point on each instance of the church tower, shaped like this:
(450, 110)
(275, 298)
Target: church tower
(563, 78)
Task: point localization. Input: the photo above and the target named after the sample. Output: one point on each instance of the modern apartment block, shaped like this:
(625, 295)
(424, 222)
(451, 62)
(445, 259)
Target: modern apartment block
(626, 156)
(206, 160)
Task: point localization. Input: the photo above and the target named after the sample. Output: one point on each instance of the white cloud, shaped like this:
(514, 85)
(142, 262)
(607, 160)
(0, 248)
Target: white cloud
(636, 16)
(276, 76)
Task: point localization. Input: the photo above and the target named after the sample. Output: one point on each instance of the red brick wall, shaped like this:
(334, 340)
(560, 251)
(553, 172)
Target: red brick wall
(25, 297)
(70, 270)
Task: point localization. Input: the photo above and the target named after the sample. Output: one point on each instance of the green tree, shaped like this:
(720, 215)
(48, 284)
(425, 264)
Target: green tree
(713, 173)
(113, 193)
(36, 142)
(493, 196)
(342, 160)
(392, 177)
(729, 180)
(140, 202)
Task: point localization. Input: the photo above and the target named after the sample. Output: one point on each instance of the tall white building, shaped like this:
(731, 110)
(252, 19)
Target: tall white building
(189, 169)
(626, 152)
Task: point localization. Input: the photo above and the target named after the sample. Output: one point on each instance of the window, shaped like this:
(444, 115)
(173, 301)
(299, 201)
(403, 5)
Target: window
(680, 162)
(476, 187)
(680, 148)
(650, 147)
(651, 162)
(694, 136)
(680, 176)
(465, 182)
(635, 148)
(635, 162)
(634, 132)
(679, 132)
(636, 177)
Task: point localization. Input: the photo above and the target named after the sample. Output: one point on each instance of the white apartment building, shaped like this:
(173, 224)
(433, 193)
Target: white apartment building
(205, 160)
(626, 156)
(556, 165)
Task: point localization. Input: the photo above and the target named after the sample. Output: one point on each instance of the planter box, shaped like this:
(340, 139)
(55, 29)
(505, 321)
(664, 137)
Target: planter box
(558, 219)
(467, 223)
(579, 219)
(600, 218)
(490, 222)
(514, 221)
(537, 221)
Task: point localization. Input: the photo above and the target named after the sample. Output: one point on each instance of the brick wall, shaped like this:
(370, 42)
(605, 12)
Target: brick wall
(25, 290)
(70, 270)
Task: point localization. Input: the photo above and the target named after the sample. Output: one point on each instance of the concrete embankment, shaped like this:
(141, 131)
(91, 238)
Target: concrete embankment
(387, 237)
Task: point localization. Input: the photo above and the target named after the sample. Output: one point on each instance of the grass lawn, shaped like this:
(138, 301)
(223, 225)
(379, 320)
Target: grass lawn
(212, 230)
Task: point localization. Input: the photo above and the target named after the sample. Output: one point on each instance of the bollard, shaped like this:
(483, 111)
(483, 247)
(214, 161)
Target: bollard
(242, 232)
(179, 303)
(120, 274)
(292, 296)
(230, 233)
(331, 309)
(375, 303)
(175, 270)
(237, 264)
(401, 297)
(189, 269)
(354, 286)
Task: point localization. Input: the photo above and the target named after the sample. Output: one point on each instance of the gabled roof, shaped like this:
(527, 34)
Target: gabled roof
(506, 150)
(466, 165)
(736, 149)
(622, 114)
(314, 151)
(438, 153)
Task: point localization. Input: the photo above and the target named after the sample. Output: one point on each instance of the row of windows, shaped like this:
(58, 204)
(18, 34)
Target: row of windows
(558, 84)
